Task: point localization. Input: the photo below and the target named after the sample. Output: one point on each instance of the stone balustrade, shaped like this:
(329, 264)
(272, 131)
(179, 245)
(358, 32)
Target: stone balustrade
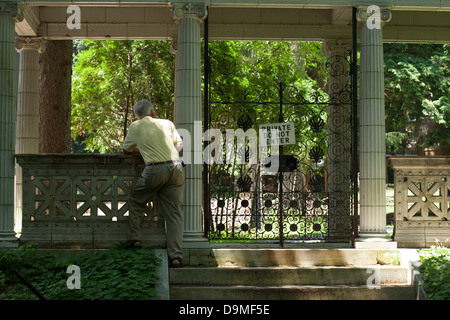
(81, 201)
(422, 193)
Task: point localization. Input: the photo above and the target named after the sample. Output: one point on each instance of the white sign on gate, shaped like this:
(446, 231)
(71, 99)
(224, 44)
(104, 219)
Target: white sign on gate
(276, 134)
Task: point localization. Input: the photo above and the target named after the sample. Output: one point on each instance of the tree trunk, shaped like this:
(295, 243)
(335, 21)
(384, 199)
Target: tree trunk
(55, 82)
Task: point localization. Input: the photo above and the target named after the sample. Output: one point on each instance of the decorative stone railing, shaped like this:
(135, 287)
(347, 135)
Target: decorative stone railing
(422, 194)
(81, 201)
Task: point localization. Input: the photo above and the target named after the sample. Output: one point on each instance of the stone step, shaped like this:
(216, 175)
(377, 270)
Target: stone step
(289, 257)
(270, 276)
(292, 274)
(292, 292)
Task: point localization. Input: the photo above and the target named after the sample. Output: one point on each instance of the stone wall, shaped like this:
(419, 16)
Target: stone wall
(81, 201)
(422, 193)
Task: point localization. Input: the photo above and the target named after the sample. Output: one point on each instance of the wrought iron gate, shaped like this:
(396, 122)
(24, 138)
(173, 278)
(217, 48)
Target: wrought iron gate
(311, 195)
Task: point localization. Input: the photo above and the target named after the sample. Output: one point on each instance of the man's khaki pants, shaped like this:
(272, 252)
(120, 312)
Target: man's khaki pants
(165, 184)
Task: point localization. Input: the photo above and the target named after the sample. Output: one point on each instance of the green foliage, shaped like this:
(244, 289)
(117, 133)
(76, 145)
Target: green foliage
(254, 64)
(436, 270)
(249, 73)
(115, 274)
(11, 260)
(394, 141)
(109, 77)
(392, 258)
(417, 92)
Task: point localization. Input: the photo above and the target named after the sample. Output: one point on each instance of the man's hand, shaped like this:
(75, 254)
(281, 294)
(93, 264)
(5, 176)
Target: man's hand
(134, 151)
(179, 147)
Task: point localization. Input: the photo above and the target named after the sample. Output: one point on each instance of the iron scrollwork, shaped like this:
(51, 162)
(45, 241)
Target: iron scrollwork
(310, 196)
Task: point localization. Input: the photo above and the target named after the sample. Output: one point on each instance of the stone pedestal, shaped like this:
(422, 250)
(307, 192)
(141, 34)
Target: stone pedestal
(422, 218)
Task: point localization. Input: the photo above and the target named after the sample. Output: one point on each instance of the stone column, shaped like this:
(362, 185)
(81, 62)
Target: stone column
(188, 115)
(27, 129)
(372, 131)
(339, 137)
(8, 88)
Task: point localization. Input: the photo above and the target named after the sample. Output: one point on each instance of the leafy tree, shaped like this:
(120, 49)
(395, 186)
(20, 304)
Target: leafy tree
(109, 77)
(251, 71)
(417, 88)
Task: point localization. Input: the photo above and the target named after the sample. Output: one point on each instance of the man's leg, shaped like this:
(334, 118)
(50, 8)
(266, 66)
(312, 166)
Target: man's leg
(170, 200)
(143, 192)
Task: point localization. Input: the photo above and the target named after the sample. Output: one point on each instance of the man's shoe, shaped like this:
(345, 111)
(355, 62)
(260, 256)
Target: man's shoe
(135, 244)
(176, 263)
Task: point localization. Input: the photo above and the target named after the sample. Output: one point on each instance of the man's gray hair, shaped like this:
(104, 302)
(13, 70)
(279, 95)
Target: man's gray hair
(143, 108)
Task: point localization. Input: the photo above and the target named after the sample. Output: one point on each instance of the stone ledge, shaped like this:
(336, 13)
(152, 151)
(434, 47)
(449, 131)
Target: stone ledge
(286, 257)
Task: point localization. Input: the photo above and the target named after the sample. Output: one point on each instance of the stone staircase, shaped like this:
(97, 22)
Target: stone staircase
(291, 274)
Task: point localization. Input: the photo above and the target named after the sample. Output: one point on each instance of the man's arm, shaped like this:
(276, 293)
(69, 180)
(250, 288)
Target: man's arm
(129, 145)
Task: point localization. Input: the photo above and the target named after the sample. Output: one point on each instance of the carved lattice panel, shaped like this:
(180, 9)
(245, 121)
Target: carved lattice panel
(422, 193)
(425, 198)
(101, 196)
(80, 198)
(82, 201)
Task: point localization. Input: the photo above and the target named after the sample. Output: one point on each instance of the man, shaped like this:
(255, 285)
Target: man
(162, 179)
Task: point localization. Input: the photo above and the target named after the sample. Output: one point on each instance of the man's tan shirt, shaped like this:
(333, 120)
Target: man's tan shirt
(156, 139)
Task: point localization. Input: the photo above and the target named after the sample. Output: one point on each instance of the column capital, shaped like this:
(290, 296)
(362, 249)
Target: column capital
(33, 43)
(364, 13)
(341, 45)
(11, 8)
(196, 10)
(174, 45)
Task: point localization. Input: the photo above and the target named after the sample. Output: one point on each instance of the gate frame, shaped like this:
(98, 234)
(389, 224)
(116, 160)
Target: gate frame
(354, 141)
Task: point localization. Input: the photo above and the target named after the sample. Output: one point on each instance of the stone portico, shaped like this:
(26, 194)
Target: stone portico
(26, 25)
